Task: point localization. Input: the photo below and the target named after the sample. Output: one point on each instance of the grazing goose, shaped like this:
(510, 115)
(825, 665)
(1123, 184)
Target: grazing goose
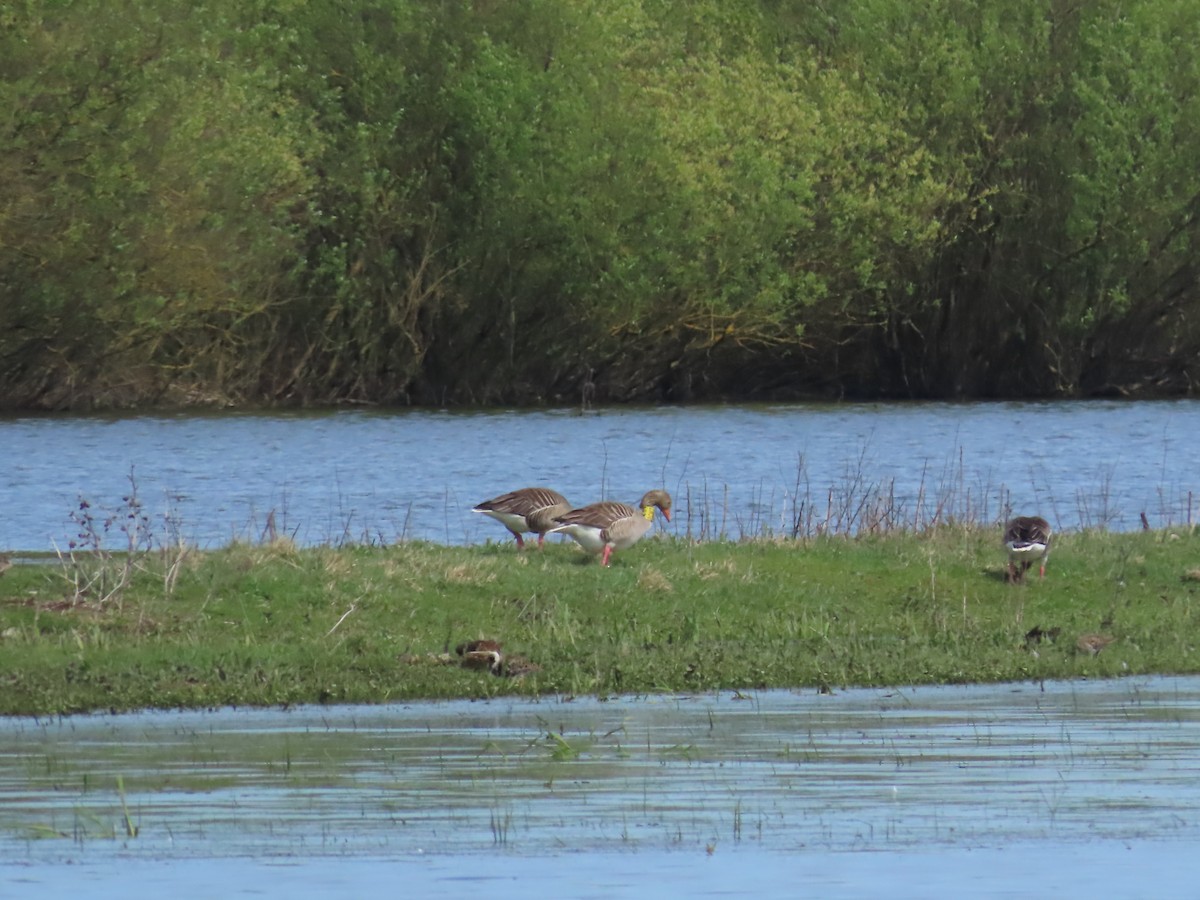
(608, 526)
(1027, 539)
(530, 509)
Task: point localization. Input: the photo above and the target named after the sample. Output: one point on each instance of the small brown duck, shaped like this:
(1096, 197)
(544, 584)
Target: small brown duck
(1092, 644)
(481, 654)
(1027, 539)
(483, 645)
(485, 654)
(518, 667)
(524, 511)
(608, 526)
(1039, 635)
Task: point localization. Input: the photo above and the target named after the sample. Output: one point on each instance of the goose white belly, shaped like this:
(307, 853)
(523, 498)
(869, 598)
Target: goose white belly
(589, 537)
(1025, 550)
(512, 521)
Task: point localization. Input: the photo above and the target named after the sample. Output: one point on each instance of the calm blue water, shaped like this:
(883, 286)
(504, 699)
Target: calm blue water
(1108, 869)
(1068, 789)
(734, 470)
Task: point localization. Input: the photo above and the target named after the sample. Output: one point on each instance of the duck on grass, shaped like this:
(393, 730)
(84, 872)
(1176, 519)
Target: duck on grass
(270, 624)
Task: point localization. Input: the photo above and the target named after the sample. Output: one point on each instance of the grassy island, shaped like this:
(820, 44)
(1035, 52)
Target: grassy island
(273, 624)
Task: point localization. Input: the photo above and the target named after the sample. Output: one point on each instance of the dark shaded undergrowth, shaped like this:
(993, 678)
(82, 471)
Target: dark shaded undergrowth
(572, 201)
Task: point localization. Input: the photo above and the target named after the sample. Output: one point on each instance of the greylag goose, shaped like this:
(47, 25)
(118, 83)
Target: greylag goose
(608, 526)
(1027, 539)
(530, 509)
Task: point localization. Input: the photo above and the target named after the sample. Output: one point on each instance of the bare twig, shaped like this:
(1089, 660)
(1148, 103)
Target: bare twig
(353, 607)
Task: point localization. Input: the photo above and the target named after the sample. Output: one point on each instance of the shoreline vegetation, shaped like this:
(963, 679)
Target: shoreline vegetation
(235, 204)
(271, 624)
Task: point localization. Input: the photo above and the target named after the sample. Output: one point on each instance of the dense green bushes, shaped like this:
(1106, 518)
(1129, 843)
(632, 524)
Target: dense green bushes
(481, 202)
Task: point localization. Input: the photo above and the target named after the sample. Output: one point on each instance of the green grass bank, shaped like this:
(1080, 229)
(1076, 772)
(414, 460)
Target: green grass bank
(272, 624)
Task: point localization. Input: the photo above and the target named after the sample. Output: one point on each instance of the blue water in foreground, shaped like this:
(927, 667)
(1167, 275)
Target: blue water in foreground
(1108, 869)
(1067, 789)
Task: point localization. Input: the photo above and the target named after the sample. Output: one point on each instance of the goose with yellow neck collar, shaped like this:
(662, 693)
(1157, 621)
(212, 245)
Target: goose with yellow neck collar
(608, 526)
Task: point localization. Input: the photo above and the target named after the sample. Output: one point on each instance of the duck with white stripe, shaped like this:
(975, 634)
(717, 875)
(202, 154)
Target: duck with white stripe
(1027, 539)
(608, 526)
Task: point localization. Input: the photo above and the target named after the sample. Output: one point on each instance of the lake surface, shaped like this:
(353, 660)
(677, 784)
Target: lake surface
(735, 471)
(1064, 789)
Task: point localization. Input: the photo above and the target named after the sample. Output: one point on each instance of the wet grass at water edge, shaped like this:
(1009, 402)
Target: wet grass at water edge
(272, 624)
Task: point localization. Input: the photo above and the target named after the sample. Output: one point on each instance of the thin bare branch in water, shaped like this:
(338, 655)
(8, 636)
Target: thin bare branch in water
(604, 471)
(724, 512)
(919, 501)
(662, 477)
(744, 521)
(799, 506)
(694, 512)
(270, 535)
(680, 489)
(962, 486)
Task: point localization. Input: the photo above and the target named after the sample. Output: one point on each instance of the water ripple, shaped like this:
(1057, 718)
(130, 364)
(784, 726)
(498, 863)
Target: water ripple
(330, 477)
